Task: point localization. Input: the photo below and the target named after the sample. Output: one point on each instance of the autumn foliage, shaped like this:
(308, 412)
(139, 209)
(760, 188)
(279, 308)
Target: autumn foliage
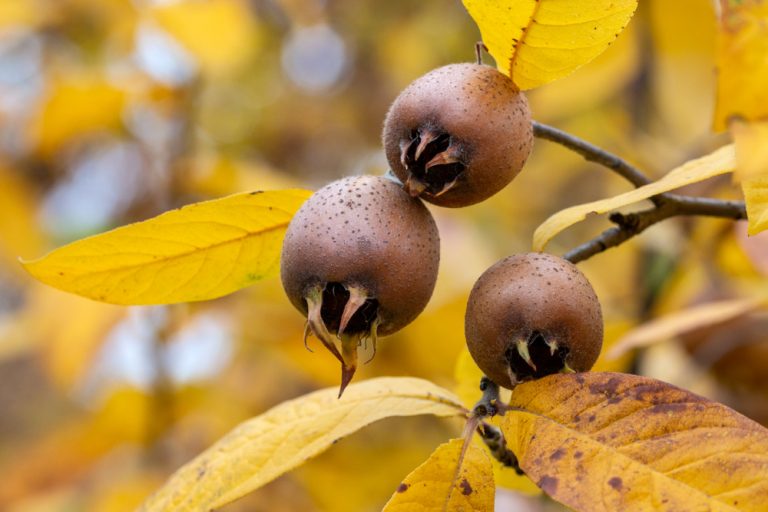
(154, 154)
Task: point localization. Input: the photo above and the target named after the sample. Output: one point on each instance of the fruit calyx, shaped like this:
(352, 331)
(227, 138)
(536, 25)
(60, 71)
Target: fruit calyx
(346, 314)
(432, 161)
(535, 357)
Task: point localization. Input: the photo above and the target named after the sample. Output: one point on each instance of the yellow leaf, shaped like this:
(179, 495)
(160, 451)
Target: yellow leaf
(592, 87)
(756, 197)
(219, 33)
(610, 441)
(436, 485)
(719, 162)
(681, 322)
(198, 252)
(78, 105)
(284, 437)
(537, 41)
(751, 141)
(742, 66)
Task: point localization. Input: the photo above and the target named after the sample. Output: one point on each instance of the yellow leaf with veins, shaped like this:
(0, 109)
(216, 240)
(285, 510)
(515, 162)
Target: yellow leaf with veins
(537, 41)
(198, 252)
(440, 484)
(265, 447)
(602, 442)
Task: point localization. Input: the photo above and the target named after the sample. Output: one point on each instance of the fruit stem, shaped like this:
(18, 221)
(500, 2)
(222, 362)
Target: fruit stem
(489, 404)
(479, 47)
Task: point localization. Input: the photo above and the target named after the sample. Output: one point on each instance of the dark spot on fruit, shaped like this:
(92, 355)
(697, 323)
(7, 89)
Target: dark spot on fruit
(402, 487)
(578, 455)
(466, 489)
(256, 192)
(616, 483)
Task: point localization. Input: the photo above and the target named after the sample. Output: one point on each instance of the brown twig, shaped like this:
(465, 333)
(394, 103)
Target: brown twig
(632, 224)
(592, 153)
(629, 225)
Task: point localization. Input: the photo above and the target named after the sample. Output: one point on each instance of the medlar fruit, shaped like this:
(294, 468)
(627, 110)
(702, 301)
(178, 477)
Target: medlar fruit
(359, 259)
(531, 315)
(458, 134)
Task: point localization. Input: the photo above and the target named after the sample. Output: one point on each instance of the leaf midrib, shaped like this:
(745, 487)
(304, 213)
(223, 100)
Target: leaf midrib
(518, 46)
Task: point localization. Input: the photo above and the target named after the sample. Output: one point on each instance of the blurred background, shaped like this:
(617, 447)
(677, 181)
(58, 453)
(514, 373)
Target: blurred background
(112, 111)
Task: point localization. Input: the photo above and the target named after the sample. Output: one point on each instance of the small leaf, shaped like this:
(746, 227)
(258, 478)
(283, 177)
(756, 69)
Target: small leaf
(198, 252)
(610, 441)
(436, 485)
(681, 322)
(719, 162)
(537, 41)
(284, 437)
(742, 66)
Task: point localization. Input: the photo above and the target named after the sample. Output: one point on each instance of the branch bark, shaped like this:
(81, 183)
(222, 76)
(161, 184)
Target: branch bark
(630, 225)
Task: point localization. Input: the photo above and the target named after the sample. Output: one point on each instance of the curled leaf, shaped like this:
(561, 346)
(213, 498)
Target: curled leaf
(716, 163)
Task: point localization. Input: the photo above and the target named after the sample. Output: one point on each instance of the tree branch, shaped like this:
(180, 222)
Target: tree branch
(629, 225)
(632, 224)
(592, 153)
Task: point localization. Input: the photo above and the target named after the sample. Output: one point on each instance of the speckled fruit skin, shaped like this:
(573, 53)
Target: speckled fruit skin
(532, 292)
(365, 231)
(488, 120)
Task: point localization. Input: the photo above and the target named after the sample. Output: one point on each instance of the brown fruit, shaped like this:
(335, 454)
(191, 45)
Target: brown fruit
(458, 134)
(532, 315)
(360, 259)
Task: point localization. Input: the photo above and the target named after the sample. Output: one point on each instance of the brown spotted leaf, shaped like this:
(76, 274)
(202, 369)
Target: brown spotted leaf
(436, 485)
(611, 441)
